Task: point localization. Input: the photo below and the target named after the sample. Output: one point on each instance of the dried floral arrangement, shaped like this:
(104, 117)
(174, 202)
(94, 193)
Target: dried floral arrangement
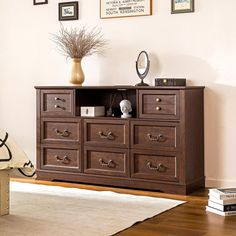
(78, 43)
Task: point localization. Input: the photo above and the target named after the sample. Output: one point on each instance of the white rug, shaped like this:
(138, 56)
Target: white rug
(50, 210)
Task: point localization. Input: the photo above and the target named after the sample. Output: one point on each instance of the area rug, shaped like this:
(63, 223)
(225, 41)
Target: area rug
(50, 210)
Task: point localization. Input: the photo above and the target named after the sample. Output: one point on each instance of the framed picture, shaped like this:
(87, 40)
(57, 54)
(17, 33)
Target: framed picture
(38, 2)
(111, 9)
(68, 11)
(182, 6)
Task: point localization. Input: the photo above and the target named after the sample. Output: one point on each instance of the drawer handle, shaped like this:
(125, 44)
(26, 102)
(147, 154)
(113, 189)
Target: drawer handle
(60, 107)
(109, 164)
(109, 135)
(158, 108)
(158, 100)
(64, 133)
(160, 167)
(59, 99)
(158, 138)
(64, 160)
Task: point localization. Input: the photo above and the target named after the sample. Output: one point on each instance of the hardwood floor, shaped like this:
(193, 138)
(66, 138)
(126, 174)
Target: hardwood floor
(189, 219)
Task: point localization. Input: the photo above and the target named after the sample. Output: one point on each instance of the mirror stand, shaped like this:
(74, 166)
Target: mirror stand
(142, 83)
(142, 67)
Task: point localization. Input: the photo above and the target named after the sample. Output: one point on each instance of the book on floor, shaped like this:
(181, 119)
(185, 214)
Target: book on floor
(230, 207)
(223, 193)
(227, 201)
(222, 213)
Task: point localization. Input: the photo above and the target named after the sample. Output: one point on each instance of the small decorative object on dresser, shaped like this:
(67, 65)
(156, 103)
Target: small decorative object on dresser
(160, 148)
(126, 108)
(77, 44)
(142, 67)
(170, 82)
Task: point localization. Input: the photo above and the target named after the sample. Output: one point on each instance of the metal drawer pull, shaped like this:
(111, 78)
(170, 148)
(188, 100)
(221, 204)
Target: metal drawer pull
(64, 133)
(59, 99)
(60, 107)
(64, 160)
(159, 168)
(109, 164)
(158, 138)
(158, 99)
(158, 108)
(109, 135)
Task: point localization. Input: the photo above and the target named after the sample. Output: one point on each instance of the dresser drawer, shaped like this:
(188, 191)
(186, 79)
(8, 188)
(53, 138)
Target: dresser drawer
(159, 104)
(149, 165)
(102, 161)
(60, 130)
(57, 103)
(106, 133)
(61, 159)
(155, 135)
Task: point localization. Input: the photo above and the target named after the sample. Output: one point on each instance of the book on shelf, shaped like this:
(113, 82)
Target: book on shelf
(231, 207)
(223, 193)
(222, 213)
(227, 201)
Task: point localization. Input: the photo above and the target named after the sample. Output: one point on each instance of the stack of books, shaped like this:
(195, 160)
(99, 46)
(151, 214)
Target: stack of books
(222, 201)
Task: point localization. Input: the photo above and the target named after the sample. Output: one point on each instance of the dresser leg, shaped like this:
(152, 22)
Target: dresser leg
(4, 192)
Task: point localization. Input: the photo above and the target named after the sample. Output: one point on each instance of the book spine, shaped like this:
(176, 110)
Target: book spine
(230, 213)
(230, 207)
(222, 213)
(227, 196)
(223, 202)
(222, 196)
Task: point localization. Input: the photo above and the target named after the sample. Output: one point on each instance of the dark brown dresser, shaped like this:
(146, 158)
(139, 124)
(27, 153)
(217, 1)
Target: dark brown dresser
(160, 148)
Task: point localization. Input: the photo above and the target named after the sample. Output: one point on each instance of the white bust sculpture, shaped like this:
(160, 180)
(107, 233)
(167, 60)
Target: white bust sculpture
(125, 107)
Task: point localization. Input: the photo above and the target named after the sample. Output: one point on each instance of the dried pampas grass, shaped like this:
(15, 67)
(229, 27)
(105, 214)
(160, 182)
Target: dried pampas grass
(78, 43)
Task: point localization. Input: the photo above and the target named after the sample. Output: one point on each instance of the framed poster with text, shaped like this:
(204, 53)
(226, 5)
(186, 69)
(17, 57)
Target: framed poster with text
(125, 8)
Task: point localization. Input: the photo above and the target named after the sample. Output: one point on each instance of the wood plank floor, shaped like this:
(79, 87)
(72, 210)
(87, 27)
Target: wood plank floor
(189, 219)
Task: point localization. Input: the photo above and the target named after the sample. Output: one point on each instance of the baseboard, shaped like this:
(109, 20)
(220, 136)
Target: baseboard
(216, 183)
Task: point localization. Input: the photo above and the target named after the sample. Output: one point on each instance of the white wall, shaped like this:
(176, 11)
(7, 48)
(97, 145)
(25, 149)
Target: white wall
(200, 46)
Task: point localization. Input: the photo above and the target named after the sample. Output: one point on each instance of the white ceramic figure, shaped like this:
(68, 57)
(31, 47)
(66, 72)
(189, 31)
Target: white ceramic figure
(125, 107)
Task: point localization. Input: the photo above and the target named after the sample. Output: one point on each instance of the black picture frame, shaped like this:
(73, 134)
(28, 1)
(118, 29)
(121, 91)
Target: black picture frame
(184, 6)
(68, 11)
(40, 2)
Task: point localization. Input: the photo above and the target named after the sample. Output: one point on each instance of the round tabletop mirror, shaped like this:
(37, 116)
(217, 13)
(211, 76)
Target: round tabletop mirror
(142, 67)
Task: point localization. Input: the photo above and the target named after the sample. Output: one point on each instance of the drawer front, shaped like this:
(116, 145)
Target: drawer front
(101, 161)
(155, 135)
(107, 133)
(57, 103)
(159, 104)
(152, 166)
(59, 130)
(61, 159)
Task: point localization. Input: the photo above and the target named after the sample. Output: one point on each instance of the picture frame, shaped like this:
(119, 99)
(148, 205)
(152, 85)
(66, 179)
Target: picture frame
(117, 9)
(68, 11)
(40, 2)
(182, 6)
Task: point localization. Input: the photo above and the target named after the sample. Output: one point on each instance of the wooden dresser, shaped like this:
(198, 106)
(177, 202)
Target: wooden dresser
(160, 148)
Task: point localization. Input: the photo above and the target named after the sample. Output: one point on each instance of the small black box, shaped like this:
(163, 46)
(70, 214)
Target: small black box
(170, 82)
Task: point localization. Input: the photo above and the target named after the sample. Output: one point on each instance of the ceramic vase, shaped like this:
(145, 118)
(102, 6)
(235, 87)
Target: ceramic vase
(77, 74)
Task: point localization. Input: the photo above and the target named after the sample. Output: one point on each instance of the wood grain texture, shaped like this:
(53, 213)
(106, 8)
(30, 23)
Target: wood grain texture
(187, 219)
(171, 137)
(4, 192)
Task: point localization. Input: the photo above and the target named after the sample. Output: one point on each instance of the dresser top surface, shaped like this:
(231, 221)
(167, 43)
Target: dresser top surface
(121, 87)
